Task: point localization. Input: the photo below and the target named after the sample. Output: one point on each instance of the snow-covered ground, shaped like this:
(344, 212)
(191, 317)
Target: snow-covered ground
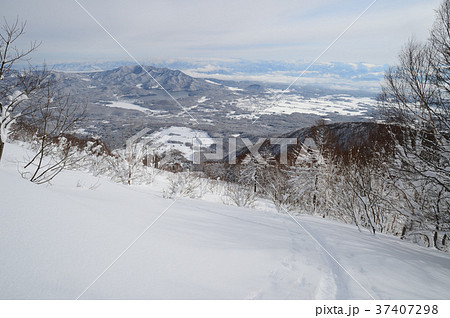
(56, 240)
(344, 105)
(125, 105)
(178, 138)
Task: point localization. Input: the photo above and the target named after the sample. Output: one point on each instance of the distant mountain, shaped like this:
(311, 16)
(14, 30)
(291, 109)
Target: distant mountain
(331, 74)
(171, 80)
(136, 77)
(89, 66)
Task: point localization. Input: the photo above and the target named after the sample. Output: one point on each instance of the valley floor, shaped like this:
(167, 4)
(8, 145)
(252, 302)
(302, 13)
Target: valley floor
(56, 240)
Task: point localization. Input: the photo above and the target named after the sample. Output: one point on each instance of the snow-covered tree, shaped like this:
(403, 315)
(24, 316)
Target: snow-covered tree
(172, 160)
(253, 170)
(280, 191)
(185, 184)
(416, 99)
(306, 176)
(369, 189)
(239, 195)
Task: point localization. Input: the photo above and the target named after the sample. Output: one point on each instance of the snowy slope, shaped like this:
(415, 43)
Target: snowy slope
(56, 240)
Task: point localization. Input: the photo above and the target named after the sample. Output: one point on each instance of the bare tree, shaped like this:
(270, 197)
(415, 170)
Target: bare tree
(127, 165)
(54, 118)
(416, 97)
(17, 87)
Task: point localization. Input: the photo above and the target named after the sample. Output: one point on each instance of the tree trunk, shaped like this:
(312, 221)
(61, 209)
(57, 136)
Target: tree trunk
(2, 145)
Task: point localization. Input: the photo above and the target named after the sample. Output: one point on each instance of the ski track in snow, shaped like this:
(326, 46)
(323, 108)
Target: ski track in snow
(337, 280)
(325, 287)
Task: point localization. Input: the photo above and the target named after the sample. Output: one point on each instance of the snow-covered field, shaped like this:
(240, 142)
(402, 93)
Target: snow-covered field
(55, 241)
(178, 138)
(125, 105)
(321, 106)
(344, 105)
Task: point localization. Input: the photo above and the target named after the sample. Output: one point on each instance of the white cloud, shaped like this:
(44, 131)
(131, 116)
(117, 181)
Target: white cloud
(209, 68)
(332, 81)
(266, 29)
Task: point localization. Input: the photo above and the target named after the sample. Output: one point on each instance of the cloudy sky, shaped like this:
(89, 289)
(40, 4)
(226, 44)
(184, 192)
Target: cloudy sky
(254, 30)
